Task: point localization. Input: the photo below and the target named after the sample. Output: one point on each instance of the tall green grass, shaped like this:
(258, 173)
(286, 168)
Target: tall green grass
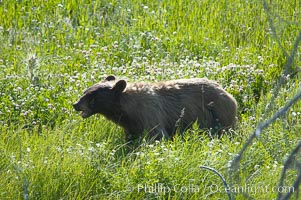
(52, 50)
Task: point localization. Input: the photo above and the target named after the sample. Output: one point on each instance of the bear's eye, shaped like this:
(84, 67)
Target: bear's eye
(92, 102)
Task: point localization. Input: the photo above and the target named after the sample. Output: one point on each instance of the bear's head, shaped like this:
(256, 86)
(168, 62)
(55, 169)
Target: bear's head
(103, 97)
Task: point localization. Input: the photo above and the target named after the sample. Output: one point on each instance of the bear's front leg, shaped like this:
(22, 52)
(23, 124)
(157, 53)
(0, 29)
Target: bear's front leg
(158, 133)
(129, 137)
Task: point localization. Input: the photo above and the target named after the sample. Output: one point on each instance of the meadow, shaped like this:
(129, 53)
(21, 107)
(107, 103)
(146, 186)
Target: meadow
(51, 51)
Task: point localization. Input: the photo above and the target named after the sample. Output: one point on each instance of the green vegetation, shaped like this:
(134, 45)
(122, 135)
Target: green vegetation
(52, 50)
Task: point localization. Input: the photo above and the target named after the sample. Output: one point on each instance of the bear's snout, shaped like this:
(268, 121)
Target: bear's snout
(76, 106)
(84, 110)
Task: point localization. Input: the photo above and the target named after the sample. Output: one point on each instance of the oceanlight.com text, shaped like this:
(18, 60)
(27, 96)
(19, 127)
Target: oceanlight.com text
(251, 189)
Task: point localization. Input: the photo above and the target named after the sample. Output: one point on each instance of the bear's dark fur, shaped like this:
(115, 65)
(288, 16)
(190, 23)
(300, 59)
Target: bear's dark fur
(160, 108)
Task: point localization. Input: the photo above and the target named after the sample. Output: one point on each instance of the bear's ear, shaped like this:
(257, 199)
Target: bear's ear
(111, 78)
(119, 86)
